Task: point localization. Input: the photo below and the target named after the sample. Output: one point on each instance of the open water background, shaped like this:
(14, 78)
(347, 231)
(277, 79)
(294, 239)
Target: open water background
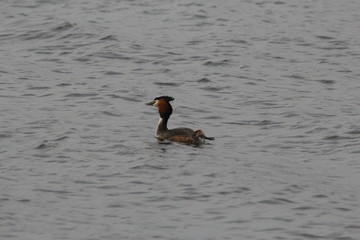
(277, 83)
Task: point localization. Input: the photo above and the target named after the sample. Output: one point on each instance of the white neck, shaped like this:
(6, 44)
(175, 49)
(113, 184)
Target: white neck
(161, 126)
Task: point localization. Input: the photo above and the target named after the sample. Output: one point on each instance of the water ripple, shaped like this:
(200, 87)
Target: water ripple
(274, 81)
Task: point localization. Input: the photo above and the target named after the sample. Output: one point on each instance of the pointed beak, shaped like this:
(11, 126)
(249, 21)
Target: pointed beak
(150, 103)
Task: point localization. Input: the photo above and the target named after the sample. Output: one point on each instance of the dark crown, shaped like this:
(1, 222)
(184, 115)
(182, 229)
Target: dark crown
(167, 98)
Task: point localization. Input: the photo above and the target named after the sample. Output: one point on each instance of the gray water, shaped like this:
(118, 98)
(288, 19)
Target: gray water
(276, 83)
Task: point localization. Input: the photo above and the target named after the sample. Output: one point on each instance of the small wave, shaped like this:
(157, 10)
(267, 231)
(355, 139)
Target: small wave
(155, 11)
(192, 196)
(326, 81)
(323, 37)
(214, 117)
(251, 83)
(333, 48)
(335, 137)
(116, 205)
(304, 208)
(217, 63)
(215, 88)
(5, 135)
(38, 88)
(47, 33)
(237, 41)
(310, 236)
(111, 73)
(63, 26)
(77, 36)
(63, 84)
(254, 123)
(130, 99)
(81, 95)
(232, 191)
(357, 131)
(320, 196)
(60, 138)
(172, 84)
(111, 114)
(204, 80)
(6, 37)
(51, 191)
(353, 226)
(45, 145)
(112, 55)
(109, 38)
(148, 166)
(294, 76)
(316, 130)
(49, 144)
(276, 201)
(35, 34)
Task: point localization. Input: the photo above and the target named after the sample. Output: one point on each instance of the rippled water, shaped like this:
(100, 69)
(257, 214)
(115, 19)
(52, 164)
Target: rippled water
(275, 82)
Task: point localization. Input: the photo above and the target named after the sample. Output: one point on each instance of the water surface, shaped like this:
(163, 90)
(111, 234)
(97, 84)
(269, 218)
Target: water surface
(275, 82)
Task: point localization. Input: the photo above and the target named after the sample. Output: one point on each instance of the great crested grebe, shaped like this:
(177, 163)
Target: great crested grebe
(182, 135)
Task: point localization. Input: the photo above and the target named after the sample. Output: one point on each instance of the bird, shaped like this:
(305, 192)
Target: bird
(181, 135)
